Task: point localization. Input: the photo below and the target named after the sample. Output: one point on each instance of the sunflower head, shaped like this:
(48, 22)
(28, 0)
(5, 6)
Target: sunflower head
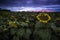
(12, 24)
(43, 17)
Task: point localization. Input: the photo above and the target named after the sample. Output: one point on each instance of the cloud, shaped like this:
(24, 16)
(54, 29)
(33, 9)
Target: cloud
(41, 8)
(28, 2)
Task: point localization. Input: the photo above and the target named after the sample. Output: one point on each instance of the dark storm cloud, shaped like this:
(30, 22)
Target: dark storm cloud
(10, 2)
(15, 2)
(46, 2)
(30, 5)
(28, 2)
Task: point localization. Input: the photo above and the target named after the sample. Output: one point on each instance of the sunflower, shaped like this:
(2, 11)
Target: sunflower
(5, 29)
(43, 17)
(27, 20)
(13, 24)
(12, 17)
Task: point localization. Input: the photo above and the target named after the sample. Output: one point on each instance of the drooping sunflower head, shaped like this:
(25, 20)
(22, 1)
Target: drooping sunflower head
(43, 17)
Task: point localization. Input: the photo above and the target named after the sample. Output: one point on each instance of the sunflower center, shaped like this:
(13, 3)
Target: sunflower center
(43, 17)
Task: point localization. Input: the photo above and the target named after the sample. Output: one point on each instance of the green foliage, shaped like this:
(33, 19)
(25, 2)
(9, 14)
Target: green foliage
(27, 26)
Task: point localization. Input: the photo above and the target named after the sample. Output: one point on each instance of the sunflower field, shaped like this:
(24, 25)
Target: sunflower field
(29, 25)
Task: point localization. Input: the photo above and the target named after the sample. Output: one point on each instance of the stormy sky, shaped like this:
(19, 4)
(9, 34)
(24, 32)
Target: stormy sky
(13, 4)
(28, 2)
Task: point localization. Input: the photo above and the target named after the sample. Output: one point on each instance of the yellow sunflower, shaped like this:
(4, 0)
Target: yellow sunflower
(13, 24)
(43, 17)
